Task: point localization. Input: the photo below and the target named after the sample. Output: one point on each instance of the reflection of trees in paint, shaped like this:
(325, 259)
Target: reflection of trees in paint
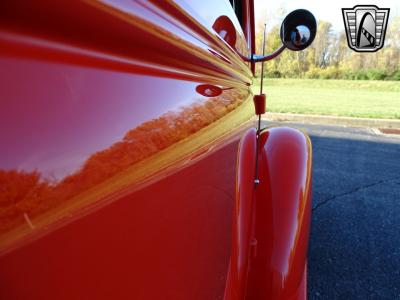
(26, 192)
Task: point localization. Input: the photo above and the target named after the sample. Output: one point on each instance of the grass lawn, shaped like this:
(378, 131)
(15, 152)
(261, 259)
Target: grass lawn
(353, 98)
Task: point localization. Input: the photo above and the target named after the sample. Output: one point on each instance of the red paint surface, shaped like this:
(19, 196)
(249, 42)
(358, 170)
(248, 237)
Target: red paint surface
(115, 181)
(87, 96)
(242, 226)
(282, 215)
(170, 240)
(118, 175)
(271, 220)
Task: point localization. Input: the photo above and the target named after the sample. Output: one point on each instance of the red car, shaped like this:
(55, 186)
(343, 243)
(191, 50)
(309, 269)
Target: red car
(130, 166)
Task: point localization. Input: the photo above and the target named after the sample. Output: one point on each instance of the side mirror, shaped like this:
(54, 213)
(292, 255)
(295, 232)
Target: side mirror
(298, 30)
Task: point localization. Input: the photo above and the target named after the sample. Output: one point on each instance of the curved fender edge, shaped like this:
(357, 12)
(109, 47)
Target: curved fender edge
(282, 216)
(242, 225)
(271, 220)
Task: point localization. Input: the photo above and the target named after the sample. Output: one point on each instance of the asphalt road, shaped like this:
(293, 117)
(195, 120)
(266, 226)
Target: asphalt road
(355, 237)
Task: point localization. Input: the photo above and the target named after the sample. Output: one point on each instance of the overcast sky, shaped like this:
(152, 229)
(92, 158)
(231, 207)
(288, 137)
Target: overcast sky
(322, 9)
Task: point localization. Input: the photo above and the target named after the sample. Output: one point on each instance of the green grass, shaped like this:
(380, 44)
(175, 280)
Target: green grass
(353, 98)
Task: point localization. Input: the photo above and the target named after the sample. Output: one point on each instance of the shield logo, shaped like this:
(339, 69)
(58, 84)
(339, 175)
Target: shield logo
(365, 27)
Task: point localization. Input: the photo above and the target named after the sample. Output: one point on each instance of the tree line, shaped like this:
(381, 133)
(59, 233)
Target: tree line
(329, 56)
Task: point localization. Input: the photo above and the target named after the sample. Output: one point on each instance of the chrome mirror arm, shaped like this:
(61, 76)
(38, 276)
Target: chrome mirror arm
(261, 58)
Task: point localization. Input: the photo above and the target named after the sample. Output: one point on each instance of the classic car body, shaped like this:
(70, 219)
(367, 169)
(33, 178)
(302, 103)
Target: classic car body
(121, 171)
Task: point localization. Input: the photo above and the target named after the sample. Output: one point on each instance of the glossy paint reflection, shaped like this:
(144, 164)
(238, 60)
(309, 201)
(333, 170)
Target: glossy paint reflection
(96, 140)
(167, 31)
(242, 225)
(113, 160)
(82, 114)
(283, 211)
(271, 220)
(168, 240)
(226, 30)
(208, 90)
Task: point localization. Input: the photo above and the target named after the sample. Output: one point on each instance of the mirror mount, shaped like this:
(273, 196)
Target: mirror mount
(260, 58)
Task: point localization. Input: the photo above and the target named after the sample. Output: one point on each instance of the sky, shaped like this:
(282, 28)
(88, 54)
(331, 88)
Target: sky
(327, 10)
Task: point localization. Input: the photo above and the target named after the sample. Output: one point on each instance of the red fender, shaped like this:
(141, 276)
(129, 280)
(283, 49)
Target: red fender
(242, 227)
(269, 260)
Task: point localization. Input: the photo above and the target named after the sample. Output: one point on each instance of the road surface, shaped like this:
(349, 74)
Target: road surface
(355, 237)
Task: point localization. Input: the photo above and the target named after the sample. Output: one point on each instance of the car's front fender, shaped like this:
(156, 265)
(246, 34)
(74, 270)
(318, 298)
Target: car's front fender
(276, 250)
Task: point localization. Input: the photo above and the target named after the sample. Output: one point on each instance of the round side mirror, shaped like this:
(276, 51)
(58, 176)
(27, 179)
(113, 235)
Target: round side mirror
(298, 30)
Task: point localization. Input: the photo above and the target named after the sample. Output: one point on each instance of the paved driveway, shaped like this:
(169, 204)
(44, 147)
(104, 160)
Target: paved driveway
(355, 237)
